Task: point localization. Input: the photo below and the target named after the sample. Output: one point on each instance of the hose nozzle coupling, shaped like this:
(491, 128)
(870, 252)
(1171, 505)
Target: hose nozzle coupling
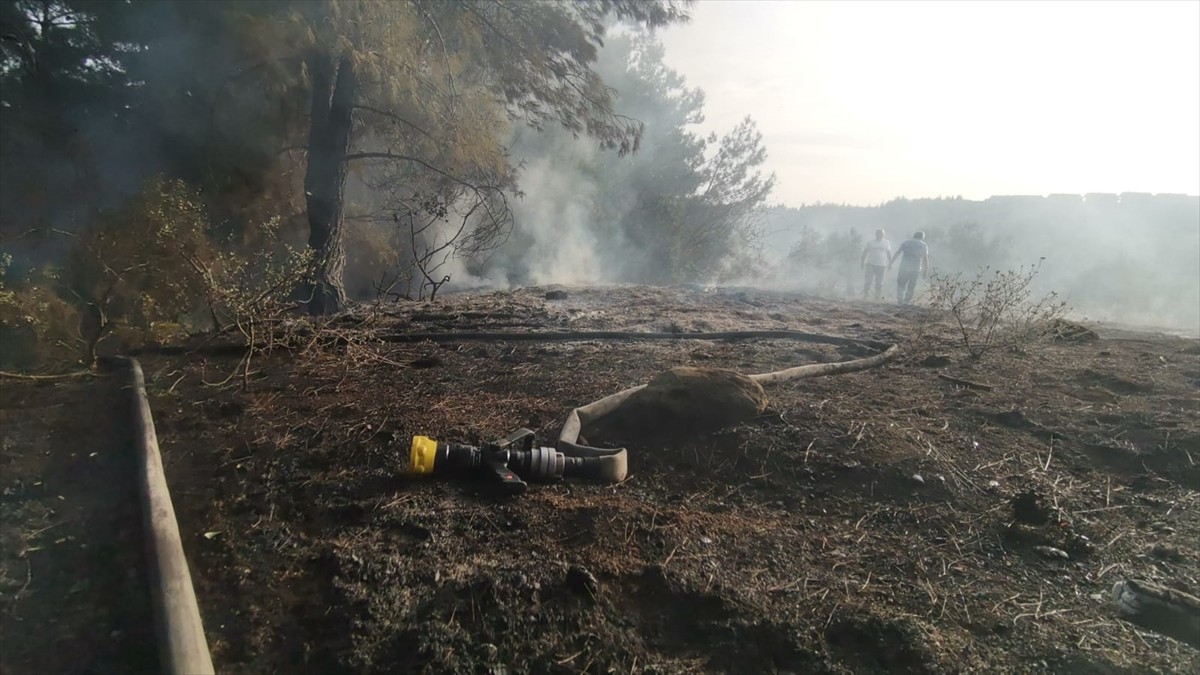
(514, 459)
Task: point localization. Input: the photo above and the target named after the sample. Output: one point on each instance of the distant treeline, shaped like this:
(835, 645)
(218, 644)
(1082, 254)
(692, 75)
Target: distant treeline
(1132, 257)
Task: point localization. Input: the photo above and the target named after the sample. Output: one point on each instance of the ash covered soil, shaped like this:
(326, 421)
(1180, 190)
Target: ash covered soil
(865, 522)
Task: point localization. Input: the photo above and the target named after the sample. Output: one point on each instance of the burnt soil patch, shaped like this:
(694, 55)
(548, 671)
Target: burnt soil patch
(881, 521)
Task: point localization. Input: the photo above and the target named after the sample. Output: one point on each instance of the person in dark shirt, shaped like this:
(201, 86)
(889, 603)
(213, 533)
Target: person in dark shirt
(914, 262)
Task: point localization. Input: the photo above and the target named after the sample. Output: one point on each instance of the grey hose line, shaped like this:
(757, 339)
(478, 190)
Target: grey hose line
(237, 349)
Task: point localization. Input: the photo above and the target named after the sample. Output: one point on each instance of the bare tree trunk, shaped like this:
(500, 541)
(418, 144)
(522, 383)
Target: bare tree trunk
(333, 94)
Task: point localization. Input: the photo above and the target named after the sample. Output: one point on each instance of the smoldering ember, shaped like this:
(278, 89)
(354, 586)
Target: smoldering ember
(481, 336)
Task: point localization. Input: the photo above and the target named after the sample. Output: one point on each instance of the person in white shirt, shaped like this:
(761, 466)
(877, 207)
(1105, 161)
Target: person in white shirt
(875, 259)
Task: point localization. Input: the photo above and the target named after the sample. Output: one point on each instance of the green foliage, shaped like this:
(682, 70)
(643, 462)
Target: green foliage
(995, 309)
(255, 283)
(157, 260)
(539, 59)
(38, 329)
(697, 196)
(131, 265)
(443, 88)
(683, 208)
(101, 97)
(718, 219)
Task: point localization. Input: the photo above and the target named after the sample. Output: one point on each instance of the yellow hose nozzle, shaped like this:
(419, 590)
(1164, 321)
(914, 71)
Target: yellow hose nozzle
(424, 450)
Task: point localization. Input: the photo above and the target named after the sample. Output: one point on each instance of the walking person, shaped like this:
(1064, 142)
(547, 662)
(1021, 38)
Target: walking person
(914, 263)
(876, 257)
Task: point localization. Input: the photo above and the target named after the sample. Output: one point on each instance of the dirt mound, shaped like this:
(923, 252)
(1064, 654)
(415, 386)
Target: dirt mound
(684, 401)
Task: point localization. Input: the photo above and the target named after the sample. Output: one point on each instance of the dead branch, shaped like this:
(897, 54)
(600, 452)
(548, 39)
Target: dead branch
(56, 376)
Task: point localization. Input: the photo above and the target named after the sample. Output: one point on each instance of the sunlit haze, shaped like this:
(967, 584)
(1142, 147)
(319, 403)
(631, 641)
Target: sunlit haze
(862, 102)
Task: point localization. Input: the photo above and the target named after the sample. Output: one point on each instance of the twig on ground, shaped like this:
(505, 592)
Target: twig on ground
(59, 376)
(965, 383)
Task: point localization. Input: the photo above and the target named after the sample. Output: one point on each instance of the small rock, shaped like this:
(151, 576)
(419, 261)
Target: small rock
(917, 477)
(1051, 552)
(706, 540)
(993, 485)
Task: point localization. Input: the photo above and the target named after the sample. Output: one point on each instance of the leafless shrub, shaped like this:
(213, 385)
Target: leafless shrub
(465, 222)
(994, 309)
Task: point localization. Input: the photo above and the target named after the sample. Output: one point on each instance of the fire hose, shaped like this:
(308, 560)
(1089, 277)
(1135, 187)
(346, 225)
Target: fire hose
(508, 465)
(593, 411)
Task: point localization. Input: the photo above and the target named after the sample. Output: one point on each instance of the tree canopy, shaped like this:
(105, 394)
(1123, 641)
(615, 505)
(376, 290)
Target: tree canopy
(388, 138)
(681, 209)
(240, 97)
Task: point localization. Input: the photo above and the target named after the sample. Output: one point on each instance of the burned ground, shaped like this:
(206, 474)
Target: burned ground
(73, 591)
(865, 522)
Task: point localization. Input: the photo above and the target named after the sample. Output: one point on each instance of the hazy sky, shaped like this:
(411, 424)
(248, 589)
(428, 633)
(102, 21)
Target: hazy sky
(861, 102)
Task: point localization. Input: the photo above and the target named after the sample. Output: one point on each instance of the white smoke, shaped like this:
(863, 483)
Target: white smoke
(556, 216)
